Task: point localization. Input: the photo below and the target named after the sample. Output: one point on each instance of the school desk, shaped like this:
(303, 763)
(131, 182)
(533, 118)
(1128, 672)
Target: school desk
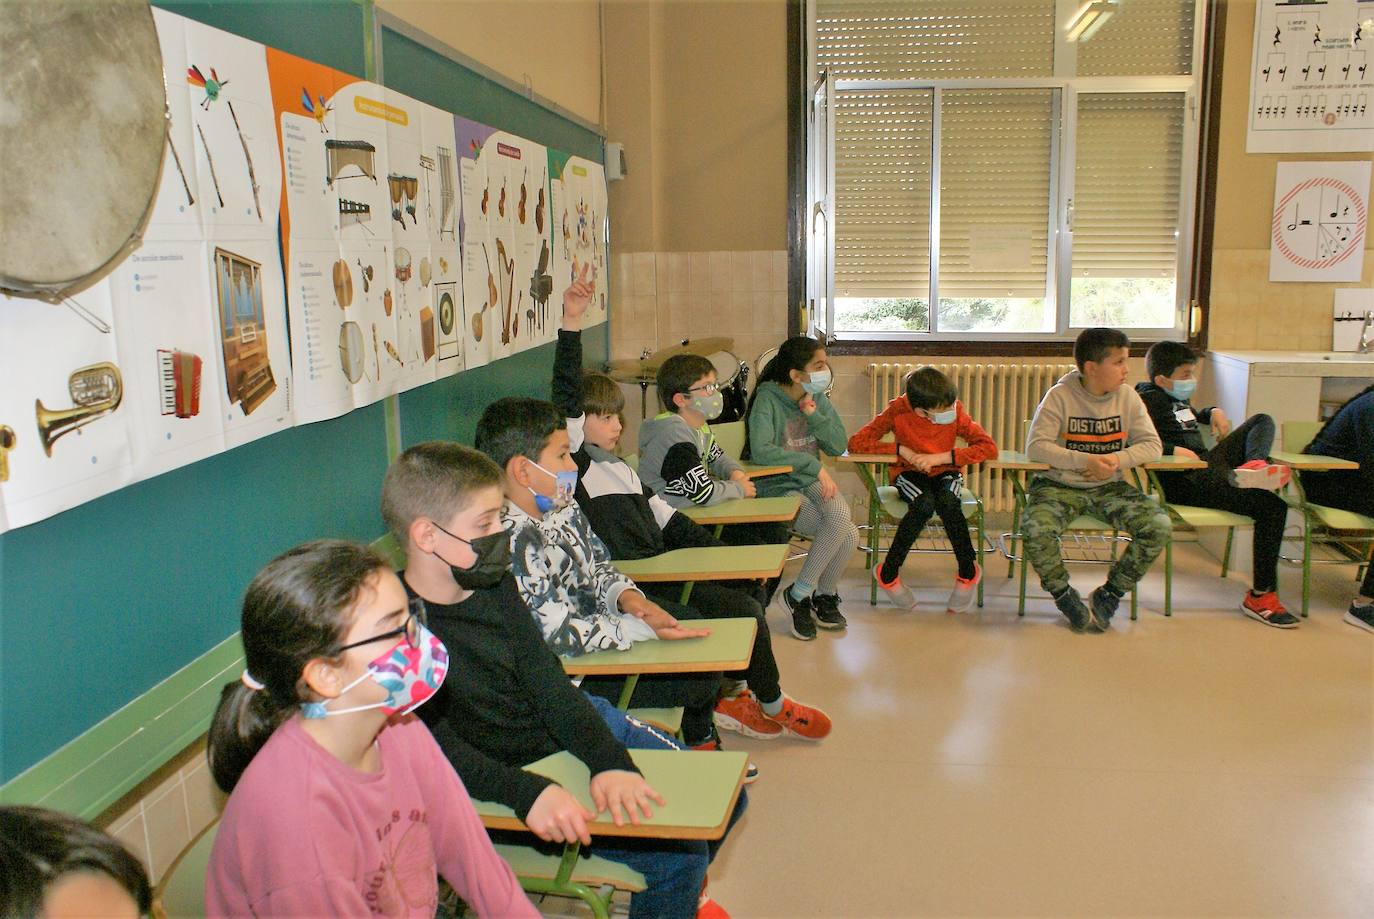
(746, 510)
(757, 471)
(707, 563)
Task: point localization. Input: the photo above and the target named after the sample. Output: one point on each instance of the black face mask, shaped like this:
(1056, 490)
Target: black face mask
(493, 560)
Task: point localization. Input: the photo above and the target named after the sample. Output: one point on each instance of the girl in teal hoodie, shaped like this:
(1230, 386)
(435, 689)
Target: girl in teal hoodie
(789, 422)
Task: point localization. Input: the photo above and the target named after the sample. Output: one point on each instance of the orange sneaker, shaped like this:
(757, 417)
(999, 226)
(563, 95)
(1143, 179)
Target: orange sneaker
(802, 720)
(1266, 608)
(743, 715)
(1259, 474)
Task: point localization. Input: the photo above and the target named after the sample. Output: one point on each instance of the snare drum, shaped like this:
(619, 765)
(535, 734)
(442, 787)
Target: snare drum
(79, 172)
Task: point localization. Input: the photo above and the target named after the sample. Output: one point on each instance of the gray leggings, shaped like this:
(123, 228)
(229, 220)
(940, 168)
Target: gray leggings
(834, 537)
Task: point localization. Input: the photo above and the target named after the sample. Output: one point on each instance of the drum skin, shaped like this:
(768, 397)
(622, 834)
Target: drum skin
(83, 133)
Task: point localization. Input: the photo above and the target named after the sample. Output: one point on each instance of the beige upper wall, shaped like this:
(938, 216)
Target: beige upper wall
(555, 43)
(1247, 310)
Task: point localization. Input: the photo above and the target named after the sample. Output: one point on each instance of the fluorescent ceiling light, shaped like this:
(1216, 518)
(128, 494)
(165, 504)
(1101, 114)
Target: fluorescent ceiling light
(1089, 19)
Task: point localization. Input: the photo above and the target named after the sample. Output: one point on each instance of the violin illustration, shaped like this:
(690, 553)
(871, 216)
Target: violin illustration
(539, 207)
(486, 195)
(520, 208)
(501, 204)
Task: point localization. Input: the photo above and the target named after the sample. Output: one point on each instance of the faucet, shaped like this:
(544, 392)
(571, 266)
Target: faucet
(1363, 346)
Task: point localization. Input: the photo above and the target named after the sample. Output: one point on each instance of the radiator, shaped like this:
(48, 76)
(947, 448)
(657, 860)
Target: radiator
(1000, 397)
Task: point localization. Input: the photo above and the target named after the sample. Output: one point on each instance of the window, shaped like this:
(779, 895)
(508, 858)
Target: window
(972, 173)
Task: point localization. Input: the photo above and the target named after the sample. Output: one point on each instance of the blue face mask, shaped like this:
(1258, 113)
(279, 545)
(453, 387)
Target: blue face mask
(945, 417)
(818, 383)
(565, 484)
(1183, 389)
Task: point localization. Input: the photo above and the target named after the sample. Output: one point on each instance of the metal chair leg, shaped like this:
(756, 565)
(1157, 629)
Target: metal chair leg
(1168, 579)
(1226, 555)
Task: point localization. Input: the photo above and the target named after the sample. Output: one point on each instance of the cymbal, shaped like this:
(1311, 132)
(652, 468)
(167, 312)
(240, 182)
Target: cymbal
(645, 369)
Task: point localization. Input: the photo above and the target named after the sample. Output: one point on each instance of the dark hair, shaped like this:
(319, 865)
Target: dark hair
(517, 426)
(435, 480)
(793, 354)
(1095, 344)
(295, 610)
(1164, 357)
(602, 396)
(38, 846)
(678, 374)
(929, 388)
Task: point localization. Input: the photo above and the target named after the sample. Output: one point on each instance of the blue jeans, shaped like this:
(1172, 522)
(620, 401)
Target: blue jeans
(674, 869)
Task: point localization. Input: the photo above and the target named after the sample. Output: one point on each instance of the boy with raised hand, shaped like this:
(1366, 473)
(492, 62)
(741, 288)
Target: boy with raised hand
(1089, 428)
(1238, 477)
(563, 571)
(636, 523)
(507, 701)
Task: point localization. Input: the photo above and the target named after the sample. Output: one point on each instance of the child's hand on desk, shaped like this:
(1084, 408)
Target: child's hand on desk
(742, 477)
(657, 618)
(559, 817)
(624, 795)
(1101, 468)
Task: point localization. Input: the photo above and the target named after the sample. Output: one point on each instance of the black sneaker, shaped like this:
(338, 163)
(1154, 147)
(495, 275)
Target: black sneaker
(1362, 617)
(1103, 603)
(803, 624)
(825, 609)
(1070, 603)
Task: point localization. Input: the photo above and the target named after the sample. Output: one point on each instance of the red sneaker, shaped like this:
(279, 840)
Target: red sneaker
(710, 909)
(802, 720)
(1266, 608)
(1259, 474)
(743, 715)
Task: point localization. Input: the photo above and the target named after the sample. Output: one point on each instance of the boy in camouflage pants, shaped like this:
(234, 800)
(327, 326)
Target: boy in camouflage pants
(1089, 428)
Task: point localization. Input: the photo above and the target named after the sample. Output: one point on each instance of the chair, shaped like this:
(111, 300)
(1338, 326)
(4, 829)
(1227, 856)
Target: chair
(886, 508)
(1085, 531)
(592, 879)
(181, 893)
(1341, 530)
(1187, 520)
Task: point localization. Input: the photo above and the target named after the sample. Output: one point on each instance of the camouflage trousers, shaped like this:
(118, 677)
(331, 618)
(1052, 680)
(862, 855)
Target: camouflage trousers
(1050, 507)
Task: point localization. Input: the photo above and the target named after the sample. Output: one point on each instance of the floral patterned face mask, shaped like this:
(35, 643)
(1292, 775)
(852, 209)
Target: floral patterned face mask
(410, 672)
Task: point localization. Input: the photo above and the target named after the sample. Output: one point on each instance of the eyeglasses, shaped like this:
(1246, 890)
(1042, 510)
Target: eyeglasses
(410, 628)
(707, 388)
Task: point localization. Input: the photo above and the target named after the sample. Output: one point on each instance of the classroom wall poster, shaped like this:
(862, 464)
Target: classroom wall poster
(581, 228)
(1310, 83)
(195, 359)
(1319, 222)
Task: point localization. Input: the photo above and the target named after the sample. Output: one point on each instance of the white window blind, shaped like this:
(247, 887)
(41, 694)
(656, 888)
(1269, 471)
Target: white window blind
(1129, 165)
(934, 39)
(995, 154)
(882, 193)
(1143, 38)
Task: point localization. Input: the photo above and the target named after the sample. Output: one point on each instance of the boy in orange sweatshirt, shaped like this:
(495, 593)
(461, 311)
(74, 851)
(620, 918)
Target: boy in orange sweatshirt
(928, 476)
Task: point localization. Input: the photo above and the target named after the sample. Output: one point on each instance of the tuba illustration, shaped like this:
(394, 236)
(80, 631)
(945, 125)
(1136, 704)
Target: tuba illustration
(97, 390)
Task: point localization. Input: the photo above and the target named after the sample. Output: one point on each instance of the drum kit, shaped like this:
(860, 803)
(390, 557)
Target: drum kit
(732, 374)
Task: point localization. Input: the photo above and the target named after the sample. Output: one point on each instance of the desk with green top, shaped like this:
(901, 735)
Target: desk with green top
(782, 509)
(729, 647)
(759, 471)
(708, 563)
(699, 790)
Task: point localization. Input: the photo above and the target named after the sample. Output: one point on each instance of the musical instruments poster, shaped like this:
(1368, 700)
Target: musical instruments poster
(180, 352)
(580, 227)
(502, 176)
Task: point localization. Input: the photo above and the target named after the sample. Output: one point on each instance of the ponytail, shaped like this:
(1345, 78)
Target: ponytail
(297, 609)
(793, 354)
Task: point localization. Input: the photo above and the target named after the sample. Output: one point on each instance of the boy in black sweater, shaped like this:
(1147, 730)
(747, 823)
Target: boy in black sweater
(507, 701)
(634, 522)
(1238, 477)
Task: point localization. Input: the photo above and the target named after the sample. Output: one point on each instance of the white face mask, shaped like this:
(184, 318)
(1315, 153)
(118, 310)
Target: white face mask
(818, 383)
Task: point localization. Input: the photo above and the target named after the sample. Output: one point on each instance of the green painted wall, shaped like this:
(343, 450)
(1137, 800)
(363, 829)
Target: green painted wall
(103, 602)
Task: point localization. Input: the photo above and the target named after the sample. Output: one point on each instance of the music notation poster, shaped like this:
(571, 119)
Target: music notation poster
(1311, 83)
(1319, 222)
(580, 229)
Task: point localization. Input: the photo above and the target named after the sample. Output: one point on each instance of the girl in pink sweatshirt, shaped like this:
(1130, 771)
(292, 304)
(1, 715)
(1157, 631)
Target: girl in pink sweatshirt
(341, 803)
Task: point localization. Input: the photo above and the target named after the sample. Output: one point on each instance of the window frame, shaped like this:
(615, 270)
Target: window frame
(1199, 92)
